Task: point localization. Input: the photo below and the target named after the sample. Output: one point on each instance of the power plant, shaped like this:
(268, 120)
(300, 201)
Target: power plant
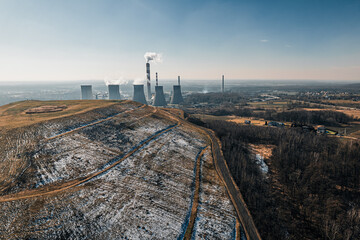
(86, 92)
(148, 81)
(139, 95)
(177, 96)
(159, 100)
(114, 92)
(139, 91)
(222, 84)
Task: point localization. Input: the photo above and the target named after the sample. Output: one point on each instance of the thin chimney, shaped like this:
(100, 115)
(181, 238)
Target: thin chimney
(222, 84)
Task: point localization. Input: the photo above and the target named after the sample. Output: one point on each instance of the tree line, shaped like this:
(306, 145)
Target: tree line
(322, 117)
(312, 189)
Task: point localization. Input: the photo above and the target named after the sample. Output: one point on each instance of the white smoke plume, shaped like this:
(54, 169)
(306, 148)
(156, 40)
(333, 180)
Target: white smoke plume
(153, 57)
(115, 80)
(138, 81)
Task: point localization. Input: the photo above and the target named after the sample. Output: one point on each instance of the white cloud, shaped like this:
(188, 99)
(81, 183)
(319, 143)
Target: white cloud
(264, 40)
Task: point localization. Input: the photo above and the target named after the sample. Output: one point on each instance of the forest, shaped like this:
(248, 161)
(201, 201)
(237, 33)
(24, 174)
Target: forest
(215, 98)
(312, 188)
(322, 117)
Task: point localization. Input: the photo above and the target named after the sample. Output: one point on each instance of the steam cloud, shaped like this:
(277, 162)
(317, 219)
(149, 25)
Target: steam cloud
(153, 56)
(111, 80)
(139, 81)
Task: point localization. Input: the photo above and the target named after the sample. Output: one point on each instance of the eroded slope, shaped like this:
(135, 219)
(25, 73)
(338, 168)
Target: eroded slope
(121, 172)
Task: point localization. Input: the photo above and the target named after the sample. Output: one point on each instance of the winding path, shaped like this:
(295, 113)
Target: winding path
(190, 219)
(56, 188)
(94, 123)
(224, 174)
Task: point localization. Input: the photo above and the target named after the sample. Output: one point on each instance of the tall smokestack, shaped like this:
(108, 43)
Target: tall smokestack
(157, 81)
(86, 92)
(223, 84)
(148, 80)
(139, 95)
(114, 92)
(176, 97)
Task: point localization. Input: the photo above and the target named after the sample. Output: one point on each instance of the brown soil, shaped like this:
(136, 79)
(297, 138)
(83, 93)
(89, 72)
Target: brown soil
(45, 109)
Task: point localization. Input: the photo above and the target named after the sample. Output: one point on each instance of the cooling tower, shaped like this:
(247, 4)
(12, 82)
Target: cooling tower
(159, 100)
(114, 92)
(148, 81)
(176, 97)
(139, 95)
(86, 92)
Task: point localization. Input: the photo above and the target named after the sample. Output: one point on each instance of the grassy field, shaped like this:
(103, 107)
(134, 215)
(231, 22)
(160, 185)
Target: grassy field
(352, 129)
(13, 115)
(236, 119)
(269, 104)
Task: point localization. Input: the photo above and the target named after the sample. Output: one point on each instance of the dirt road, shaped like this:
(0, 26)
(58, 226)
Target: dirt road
(243, 213)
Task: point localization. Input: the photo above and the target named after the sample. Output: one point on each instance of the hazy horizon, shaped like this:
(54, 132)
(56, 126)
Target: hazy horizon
(264, 40)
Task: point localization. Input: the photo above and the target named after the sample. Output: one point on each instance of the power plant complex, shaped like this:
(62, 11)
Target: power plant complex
(138, 90)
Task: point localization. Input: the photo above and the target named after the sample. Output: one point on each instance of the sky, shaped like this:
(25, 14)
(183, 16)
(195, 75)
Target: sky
(70, 40)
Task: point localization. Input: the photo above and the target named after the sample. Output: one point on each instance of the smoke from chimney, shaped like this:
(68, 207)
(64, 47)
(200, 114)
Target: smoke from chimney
(153, 57)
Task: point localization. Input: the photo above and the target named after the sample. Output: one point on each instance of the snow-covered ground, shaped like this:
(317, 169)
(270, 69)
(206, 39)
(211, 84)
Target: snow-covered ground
(146, 196)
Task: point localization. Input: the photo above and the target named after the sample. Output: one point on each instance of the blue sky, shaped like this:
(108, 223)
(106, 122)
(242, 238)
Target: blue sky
(50, 40)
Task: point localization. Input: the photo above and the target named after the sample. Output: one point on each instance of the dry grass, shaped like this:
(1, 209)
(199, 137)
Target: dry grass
(262, 149)
(239, 120)
(270, 104)
(13, 115)
(337, 102)
(349, 112)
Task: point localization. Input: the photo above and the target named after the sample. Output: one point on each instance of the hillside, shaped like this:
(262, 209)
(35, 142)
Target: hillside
(108, 170)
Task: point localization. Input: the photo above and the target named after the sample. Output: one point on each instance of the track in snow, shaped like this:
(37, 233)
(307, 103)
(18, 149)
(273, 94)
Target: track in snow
(188, 225)
(56, 188)
(93, 123)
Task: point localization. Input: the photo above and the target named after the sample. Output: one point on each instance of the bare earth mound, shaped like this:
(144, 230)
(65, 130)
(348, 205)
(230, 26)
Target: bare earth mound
(46, 109)
(118, 171)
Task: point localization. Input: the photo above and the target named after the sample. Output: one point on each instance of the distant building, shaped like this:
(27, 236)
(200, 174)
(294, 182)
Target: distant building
(321, 130)
(276, 124)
